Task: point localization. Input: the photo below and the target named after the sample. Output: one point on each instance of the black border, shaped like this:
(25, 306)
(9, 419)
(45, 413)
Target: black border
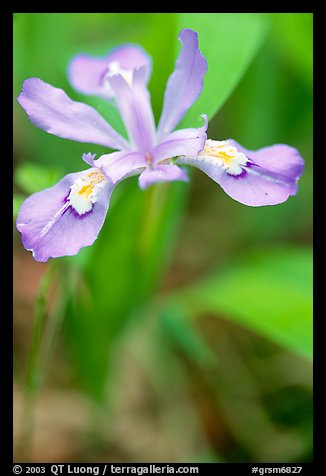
(6, 449)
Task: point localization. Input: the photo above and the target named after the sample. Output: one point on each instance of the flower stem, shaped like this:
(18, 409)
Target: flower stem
(33, 377)
(51, 333)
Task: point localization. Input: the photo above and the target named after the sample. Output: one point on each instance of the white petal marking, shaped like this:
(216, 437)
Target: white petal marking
(225, 155)
(83, 193)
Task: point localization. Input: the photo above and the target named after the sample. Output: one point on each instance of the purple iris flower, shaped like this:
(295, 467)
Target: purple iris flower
(62, 219)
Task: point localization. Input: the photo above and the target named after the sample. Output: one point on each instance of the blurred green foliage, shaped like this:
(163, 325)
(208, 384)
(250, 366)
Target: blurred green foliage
(268, 291)
(32, 177)
(249, 267)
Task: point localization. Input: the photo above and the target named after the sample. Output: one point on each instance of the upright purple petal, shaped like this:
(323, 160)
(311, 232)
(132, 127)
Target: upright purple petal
(133, 101)
(87, 74)
(132, 57)
(51, 227)
(185, 83)
(269, 177)
(161, 173)
(49, 108)
(182, 142)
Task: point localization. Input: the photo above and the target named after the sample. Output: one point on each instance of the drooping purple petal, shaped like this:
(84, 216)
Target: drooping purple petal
(87, 73)
(279, 159)
(51, 228)
(133, 101)
(185, 83)
(49, 108)
(120, 165)
(161, 173)
(182, 142)
(270, 178)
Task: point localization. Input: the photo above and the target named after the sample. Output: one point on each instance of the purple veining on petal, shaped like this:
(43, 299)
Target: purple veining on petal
(51, 228)
(71, 209)
(83, 215)
(280, 159)
(239, 176)
(269, 179)
(275, 177)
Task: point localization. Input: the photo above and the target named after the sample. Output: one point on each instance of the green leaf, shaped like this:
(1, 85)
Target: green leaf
(294, 42)
(229, 42)
(269, 292)
(32, 178)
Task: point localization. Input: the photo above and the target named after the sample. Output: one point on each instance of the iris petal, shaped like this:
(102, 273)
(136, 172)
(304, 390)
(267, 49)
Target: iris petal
(269, 178)
(51, 228)
(133, 101)
(86, 73)
(50, 109)
(182, 142)
(120, 165)
(185, 83)
(161, 173)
